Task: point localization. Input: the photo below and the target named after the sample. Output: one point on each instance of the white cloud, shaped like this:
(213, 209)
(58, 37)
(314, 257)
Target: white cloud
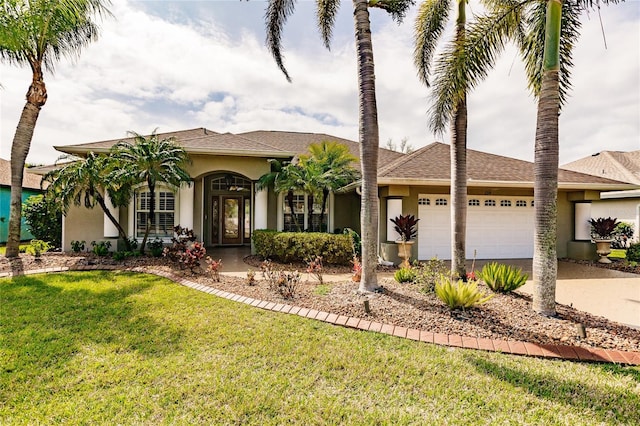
(174, 69)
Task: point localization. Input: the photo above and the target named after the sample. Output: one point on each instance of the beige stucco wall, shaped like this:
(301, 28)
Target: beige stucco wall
(85, 224)
(250, 167)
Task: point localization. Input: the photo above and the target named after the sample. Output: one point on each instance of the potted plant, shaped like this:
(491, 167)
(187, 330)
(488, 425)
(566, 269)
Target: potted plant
(406, 227)
(602, 230)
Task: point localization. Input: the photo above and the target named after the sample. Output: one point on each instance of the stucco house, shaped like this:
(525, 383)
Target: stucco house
(30, 186)
(224, 207)
(622, 204)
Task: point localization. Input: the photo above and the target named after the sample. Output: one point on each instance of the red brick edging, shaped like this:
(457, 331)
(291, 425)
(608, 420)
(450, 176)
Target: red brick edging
(571, 353)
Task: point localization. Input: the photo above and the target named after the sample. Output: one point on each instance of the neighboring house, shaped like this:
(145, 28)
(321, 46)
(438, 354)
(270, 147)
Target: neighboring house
(623, 205)
(30, 186)
(223, 206)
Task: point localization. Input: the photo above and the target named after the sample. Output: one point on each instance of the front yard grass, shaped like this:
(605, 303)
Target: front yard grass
(124, 348)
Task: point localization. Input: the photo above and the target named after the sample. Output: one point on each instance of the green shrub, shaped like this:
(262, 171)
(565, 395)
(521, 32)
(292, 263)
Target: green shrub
(502, 278)
(300, 246)
(633, 253)
(427, 273)
(622, 235)
(101, 248)
(37, 247)
(459, 294)
(156, 247)
(404, 275)
(121, 255)
(43, 219)
(77, 246)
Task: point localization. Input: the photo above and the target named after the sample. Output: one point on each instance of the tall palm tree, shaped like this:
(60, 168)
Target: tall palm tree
(276, 16)
(38, 33)
(151, 161)
(335, 168)
(89, 181)
(430, 24)
(545, 32)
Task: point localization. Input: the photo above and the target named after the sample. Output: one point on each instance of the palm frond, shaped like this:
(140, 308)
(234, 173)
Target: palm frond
(461, 66)
(278, 11)
(396, 8)
(430, 23)
(326, 12)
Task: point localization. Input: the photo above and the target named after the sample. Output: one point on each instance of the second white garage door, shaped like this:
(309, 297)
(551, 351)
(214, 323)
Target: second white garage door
(497, 227)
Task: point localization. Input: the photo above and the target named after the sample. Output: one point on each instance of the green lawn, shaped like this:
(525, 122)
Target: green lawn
(122, 348)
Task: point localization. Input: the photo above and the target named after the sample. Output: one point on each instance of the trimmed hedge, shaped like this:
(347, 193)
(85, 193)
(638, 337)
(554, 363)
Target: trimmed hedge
(301, 246)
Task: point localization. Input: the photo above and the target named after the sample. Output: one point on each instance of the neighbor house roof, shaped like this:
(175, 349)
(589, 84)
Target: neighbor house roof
(430, 165)
(618, 165)
(29, 180)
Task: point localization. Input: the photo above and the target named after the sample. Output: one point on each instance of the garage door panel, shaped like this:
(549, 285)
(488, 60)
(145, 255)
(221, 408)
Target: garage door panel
(494, 232)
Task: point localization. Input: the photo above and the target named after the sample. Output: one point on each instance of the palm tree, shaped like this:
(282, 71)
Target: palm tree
(37, 33)
(335, 170)
(88, 181)
(152, 161)
(545, 32)
(430, 23)
(283, 177)
(276, 16)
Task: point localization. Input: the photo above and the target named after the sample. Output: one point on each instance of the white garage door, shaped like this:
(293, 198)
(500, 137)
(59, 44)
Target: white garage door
(497, 227)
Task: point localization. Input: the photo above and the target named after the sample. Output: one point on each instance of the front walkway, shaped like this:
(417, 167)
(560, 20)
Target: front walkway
(573, 353)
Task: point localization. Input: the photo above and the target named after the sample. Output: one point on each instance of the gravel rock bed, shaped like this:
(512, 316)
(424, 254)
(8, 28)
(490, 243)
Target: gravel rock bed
(507, 317)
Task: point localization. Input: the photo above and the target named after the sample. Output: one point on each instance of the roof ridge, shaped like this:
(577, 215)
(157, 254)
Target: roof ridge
(407, 157)
(621, 168)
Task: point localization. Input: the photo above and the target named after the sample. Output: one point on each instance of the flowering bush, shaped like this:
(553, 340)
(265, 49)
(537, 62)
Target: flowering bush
(314, 267)
(251, 277)
(357, 269)
(214, 267)
(191, 257)
(282, 282)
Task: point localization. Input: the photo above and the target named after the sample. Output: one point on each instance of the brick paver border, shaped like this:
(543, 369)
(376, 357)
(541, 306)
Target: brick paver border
(514, 347)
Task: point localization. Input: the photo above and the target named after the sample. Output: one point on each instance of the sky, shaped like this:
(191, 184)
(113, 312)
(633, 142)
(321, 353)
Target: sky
(175, 65)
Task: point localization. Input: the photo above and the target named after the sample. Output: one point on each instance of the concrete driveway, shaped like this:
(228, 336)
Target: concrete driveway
(612, 294)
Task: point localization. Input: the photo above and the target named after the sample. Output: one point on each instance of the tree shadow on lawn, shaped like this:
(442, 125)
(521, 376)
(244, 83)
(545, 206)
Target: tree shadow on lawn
(602, 401)
(45, 324)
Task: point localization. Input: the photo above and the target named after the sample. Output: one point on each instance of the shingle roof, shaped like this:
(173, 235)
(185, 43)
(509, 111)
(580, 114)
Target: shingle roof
(431, 163)
(618, 165)
(29, 180)
(299, 143)
(181, 135)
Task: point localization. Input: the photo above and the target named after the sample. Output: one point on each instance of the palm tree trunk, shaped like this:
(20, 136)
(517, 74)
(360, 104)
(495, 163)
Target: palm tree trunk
(121, 233)
(369, 141)
(325, 195)
(545, 262)
(310, 217)
(459, 170)
(151, 217)
(293, 215)
(36, 98)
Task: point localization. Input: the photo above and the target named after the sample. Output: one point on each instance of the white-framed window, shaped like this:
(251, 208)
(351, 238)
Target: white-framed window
(424, 202)
(164, 215)
(489, 203)
(313, 222)
(505, 203)
(521, 203)
(474, 202)
(441, 202)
